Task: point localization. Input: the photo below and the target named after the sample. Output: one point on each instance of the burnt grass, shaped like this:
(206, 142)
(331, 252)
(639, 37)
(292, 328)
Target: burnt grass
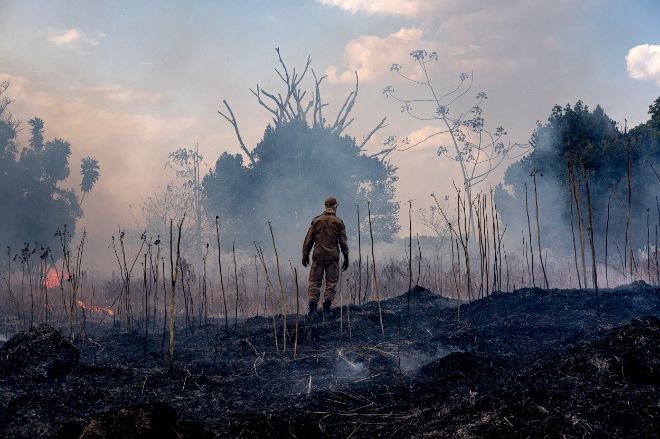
(534, 362)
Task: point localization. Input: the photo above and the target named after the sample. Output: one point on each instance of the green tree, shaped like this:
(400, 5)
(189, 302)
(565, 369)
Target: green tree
(593, 144)
(90, 172)
(32, 200)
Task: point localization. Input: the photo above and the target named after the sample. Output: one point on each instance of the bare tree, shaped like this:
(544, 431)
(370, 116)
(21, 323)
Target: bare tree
(477, 150)
(293, 104)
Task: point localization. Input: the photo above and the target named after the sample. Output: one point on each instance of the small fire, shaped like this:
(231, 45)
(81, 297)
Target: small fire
(95, 309)
(52, 278)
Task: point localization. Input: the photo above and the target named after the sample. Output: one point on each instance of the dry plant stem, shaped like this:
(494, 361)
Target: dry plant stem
(146, 303)
(458, 233)
(256, 273)
(409, 258)
(464, 228)
(607, 231)
(204, 292)
(341, 306)
(283, 303)
(456, 280)
(75, 277)
(359, 290)
(174, 272)
(496, 276)
(373, 271)
(538, 231)
(222, 281)
(648, 248)
(657, 272)
(594, 273)
(580, 221)
(526, 254)
(629, 216)
(348, 318)
(655, 253)
(233, 252)
(481, 249)
(419, 261)
(162, 344)
(295, 339)
(269, 288)
(506, 261)
(577, 270)
(529, 240)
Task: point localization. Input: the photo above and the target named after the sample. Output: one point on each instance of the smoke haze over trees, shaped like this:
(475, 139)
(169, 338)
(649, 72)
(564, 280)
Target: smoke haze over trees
(589, 140)
(297, 166)
(33, 201)
(302, 159)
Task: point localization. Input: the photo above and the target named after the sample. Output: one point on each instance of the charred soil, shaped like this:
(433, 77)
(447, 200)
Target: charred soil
(529, 363)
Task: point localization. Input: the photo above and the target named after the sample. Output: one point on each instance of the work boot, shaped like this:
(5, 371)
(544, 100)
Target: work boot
(326, 306)
(313, 304)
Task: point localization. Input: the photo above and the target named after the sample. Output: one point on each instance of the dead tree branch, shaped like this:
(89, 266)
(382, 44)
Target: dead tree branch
(232, 120)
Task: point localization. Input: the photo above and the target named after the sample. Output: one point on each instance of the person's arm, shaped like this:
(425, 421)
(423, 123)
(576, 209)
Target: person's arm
(309, 242)
(343, 241)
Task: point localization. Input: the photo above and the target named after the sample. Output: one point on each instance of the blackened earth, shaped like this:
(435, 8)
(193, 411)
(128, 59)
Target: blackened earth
(537, 363)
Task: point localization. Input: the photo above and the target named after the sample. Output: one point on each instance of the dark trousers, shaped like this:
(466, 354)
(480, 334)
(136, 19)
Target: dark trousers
(316, 272)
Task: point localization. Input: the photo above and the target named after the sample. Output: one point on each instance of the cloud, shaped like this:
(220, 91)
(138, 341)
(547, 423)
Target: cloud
(130, 144)
(428, 137)
(124, 94)
(371, 55)
(72, 36)
(406, 8)
(18, 83)
(643, 62)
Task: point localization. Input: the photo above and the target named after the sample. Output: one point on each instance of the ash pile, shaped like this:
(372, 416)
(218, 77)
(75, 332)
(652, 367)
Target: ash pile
(39, 351)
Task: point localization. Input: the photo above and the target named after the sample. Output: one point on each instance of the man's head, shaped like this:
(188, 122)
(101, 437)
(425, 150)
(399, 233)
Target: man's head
(331, 204)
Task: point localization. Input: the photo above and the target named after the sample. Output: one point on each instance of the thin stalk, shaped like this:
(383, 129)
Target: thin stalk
(529, 229)
(607, 231)
(295, 339)
(269, 288)
(409, 258)
(594, 273)
(629, 214)
(283, 303)
(233, 252)
(174, 271)
(222, 282)
(373, 270)
(359, 291)
(538, 230)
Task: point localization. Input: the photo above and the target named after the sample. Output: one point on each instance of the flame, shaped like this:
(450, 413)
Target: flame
(52, 279)
(95, 309)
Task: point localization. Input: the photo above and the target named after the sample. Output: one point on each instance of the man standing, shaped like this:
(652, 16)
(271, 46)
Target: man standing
(327, 235)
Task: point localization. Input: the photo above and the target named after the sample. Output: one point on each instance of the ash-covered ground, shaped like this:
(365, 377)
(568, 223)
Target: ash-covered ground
(530, 363)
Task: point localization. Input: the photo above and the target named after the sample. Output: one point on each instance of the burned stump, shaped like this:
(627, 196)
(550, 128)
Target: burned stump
(41, 350)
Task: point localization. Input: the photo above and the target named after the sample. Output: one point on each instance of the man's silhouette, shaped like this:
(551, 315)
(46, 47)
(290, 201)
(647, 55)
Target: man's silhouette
(327, 234)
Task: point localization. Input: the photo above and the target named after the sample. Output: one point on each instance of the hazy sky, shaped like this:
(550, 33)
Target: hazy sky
(127, 82)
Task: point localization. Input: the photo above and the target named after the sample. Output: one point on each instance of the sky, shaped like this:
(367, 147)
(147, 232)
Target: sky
(128, 82)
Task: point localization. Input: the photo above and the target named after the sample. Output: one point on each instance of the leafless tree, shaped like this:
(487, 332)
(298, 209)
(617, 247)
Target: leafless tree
(293, 104)
(477, 150)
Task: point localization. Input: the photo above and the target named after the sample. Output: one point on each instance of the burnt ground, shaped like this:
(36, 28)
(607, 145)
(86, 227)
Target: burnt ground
(530, 363)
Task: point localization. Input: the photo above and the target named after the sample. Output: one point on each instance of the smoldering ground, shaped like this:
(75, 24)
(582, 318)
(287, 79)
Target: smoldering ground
(486, 374)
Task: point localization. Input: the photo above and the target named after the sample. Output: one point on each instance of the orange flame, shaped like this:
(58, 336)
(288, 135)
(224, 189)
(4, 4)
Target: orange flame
(52, 279)
(95, 309)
